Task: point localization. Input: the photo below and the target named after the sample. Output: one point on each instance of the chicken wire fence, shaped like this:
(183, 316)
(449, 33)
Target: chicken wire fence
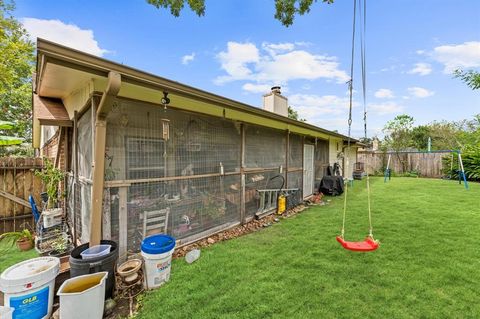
(183, 165)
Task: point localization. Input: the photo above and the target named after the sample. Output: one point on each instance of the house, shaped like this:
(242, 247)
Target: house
(135, 144)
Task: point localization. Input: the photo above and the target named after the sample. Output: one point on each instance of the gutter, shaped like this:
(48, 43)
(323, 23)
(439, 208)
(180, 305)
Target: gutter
(104, 107)
(61, 55)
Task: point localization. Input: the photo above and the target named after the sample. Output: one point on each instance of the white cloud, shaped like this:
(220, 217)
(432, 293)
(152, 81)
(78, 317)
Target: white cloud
(275, 48)
(66, 34)
(420, 92)
(384, 94)
(314, 107)
(256, 88)
(276, 63)
(385, 108)
(465, 55)
(421, 69)
(186, 59)
(299, 64)
(235, 61)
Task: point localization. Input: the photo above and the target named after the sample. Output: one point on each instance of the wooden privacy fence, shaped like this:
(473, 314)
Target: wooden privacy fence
(17, 182)
(426, 164)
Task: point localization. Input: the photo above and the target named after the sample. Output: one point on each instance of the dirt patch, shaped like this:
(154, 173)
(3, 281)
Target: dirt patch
(238, 231)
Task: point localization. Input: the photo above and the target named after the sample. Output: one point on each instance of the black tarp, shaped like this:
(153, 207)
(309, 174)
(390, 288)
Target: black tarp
(331, 185)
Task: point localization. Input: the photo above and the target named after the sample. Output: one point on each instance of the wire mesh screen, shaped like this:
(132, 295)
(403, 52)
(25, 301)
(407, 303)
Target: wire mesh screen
(264, 147)
(114, 213)
(295, 179)
(84, 144)
(183, 166)
(70, 200)
(259, 181)
(84, 193)
(295, 149)
(79, 190)
(321, 158)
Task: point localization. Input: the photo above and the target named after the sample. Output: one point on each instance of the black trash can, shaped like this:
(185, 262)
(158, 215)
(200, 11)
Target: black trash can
(79, 266)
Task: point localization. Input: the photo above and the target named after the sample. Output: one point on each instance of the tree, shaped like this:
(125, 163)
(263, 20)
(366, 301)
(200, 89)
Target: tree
(420, 135)
(399, 136)
(470, 77)
(285, 10)
(8, 140)
(292, 114)
(16, 68)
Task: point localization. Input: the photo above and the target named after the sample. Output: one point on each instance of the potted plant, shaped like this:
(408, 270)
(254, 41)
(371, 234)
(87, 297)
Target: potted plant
(51, 178)
(23, 239)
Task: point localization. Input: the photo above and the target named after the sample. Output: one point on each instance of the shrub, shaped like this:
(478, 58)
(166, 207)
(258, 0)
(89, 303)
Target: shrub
(471, 164)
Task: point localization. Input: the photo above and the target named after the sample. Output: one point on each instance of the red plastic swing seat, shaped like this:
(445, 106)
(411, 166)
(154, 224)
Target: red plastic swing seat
(369, 244)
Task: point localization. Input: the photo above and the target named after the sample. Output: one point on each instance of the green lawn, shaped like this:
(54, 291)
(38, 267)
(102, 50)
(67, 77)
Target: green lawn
(10, 255)
(427, 266)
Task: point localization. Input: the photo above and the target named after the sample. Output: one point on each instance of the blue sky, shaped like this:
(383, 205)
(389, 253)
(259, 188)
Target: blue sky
(239, 50)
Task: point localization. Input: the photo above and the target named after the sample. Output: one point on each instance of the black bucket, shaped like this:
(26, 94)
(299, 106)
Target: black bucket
(79, 266)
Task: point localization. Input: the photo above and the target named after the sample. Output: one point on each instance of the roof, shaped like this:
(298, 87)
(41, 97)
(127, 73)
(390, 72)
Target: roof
(50, 111)
(50, 54)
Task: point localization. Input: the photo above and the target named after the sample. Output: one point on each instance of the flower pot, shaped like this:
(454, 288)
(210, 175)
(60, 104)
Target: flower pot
(129, 270)
(24, 244)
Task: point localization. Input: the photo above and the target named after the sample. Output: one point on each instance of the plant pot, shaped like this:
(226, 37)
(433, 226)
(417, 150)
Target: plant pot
(129, 270)
(24, 244)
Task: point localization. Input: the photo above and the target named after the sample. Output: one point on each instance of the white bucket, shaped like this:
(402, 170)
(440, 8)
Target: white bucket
(83, 296)
(157, 251)
(6, 312)
(28, 287)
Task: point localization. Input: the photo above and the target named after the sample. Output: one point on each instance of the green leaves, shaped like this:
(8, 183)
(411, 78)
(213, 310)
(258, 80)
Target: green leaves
(470, 77)
(285, 10)
(9, 140)
(175, 6)
(16, 68)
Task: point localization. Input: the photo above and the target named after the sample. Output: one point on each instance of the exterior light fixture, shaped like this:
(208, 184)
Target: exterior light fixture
(165, 100)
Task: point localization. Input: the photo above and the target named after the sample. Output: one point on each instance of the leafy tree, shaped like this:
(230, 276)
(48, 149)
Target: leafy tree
(444, 135)
(399, 136)
(16, 68)
(294, 114)
(399, 132)
(420, 135)
(470, 77)
(468, 132)
(8, 140)
(285, 10)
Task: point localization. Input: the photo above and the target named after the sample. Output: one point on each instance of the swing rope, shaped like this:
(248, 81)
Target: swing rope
(362, 15)
(350, 89)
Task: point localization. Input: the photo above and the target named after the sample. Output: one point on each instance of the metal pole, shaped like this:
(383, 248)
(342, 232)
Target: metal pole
(462, 170)
(386, 170)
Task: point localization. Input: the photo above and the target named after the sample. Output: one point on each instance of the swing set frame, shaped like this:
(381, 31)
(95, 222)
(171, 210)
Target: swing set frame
(461, 176)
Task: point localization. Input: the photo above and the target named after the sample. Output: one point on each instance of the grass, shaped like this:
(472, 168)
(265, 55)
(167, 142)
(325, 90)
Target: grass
(426, 267)
(10, 255)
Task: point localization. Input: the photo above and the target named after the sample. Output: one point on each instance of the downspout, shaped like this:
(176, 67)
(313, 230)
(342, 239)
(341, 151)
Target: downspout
(104, 107)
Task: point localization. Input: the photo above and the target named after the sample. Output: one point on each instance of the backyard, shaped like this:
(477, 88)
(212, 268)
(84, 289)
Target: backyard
(426, 266)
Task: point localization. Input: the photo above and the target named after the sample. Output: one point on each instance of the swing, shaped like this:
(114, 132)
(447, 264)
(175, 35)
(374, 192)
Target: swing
(369, 244)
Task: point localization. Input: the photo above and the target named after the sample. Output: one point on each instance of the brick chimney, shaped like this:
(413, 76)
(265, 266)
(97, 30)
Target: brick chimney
(275, 102)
